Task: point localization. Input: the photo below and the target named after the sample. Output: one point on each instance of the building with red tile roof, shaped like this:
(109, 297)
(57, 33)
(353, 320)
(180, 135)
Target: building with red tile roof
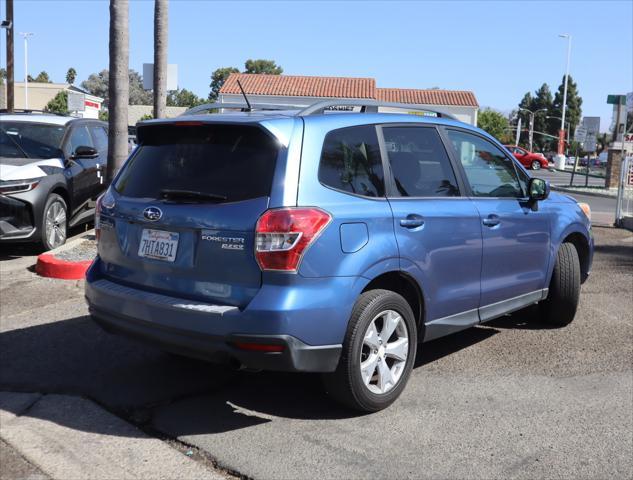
(296, 90)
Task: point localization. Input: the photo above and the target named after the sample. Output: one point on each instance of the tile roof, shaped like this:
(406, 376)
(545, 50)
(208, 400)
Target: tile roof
(299, 86)
(427, 97)
(342, 87)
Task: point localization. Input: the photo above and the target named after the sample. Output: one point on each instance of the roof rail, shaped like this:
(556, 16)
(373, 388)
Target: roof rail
(240, 106)
(367, 106)
(28, 110)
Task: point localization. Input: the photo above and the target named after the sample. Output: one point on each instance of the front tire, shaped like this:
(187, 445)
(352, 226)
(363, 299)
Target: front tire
(564, 290)
(536, 165)
(378, 353)
(54, 222)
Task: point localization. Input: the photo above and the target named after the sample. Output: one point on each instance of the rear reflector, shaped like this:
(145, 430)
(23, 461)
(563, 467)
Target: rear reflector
(284, 234)
(259, 347)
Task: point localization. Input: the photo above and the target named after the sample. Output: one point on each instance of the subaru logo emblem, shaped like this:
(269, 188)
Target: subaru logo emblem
(152, 213)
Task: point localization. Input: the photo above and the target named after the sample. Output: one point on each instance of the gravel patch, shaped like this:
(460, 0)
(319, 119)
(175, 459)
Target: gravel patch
(86, 250)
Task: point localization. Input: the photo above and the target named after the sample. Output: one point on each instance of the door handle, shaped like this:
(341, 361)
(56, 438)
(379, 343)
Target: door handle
(492, 220)
(412, 221)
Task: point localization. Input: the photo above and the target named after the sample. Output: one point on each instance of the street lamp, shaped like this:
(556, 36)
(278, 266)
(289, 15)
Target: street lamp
(532, 114)
(26, 36)
(561, 135)
(566, 123)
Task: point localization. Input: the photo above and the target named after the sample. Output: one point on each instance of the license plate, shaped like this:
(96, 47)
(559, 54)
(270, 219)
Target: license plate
(158, 244)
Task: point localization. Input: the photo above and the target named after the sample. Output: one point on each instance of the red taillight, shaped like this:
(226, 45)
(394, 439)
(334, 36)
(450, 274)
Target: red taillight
(284, 234)
(258, 347)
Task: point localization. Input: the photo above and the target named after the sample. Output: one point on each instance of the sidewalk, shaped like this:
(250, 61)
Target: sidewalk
(68, 437)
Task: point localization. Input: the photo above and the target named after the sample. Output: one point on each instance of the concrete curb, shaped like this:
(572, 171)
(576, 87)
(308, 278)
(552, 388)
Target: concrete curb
(49, 266)
(72, 437)
(582, 192)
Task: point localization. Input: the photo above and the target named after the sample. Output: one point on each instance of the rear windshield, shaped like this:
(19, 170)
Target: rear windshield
(232, 161)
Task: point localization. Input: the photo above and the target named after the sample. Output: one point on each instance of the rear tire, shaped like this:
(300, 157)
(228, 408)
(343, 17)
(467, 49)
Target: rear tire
(54, 226)
(536, 165)
(378, 353)
(564, 290)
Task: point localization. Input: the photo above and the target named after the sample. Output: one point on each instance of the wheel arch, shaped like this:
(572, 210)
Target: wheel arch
(582, 246)
(405, 285)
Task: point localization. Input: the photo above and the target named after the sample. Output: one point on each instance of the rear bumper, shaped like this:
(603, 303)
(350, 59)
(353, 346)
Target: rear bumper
(295, 355)
(308, 319)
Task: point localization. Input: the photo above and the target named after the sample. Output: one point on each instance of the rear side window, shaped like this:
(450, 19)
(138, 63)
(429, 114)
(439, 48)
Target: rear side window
(350, 161)
(419, 162)
(232, 161)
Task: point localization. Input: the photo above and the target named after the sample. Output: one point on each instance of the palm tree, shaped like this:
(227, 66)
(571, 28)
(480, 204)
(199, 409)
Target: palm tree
(71, 75)
(160, 57)
(119, 86)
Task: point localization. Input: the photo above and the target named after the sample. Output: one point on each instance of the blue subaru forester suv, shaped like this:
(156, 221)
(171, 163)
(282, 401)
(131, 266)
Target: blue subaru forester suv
(320, 241)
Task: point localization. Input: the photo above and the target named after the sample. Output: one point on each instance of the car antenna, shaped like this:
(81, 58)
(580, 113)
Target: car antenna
(249, 109)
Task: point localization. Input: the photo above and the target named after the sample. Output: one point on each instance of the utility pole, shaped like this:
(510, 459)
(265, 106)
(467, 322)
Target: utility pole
(161, 22)
(26, 36)
(561, 133)
(531, 127)
(10, 63)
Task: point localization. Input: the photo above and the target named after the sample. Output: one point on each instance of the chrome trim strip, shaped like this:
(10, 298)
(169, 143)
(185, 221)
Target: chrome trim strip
(460, 321)
(160, 300)
(495, 310)
(450, 324)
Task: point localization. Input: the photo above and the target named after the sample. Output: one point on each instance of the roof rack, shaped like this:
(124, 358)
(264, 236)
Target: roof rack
(240, 106)
(20, 111)
(366, 106)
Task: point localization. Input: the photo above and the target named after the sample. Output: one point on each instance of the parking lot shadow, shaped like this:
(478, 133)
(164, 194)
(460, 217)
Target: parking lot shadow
(76, 357)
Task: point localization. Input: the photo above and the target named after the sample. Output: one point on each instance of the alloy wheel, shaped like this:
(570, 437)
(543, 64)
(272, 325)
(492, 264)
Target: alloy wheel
(536, 165)
(55, 225)
(384, 352)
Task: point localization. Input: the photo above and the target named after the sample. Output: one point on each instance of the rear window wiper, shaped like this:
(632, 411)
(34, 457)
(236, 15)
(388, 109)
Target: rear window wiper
(169, 194)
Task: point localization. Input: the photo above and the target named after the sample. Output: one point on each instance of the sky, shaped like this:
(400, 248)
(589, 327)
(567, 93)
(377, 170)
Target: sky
(498, 49)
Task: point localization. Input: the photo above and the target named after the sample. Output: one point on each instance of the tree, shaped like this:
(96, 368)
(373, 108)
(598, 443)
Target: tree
(3, 76)
(118, 86)
(262, 66)
(542, 99)
(71, 75)
(160, 57)
(218, 77)
(98, 84)
(574, 103)
(183, 98)
(59, 103)
(493, 122)
(138, 96)
(42, 77)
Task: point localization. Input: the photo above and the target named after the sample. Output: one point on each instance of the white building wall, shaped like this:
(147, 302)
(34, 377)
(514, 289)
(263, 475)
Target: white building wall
(463, 114)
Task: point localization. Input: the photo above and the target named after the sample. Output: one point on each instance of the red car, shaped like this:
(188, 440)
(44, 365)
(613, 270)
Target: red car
(535, 161)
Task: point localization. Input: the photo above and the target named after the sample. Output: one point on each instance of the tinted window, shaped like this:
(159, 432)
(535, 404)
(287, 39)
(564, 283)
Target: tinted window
(30, 140)
(79, 137)
(419, 163)
(350, 161)
(100, 138)
(236, 162)
(489, 171)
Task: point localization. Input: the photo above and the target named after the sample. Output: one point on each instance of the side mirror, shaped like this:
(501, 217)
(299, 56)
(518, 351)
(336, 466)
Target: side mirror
(84, 151)
(538, 189)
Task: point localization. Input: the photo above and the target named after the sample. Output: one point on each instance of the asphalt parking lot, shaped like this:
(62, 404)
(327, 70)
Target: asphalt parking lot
(509, 399)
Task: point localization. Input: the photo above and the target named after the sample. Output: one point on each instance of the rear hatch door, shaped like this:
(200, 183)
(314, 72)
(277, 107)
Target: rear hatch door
(185, 208)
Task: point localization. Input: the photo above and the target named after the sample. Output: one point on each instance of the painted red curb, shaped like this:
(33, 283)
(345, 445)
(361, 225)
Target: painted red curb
(49, 266)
